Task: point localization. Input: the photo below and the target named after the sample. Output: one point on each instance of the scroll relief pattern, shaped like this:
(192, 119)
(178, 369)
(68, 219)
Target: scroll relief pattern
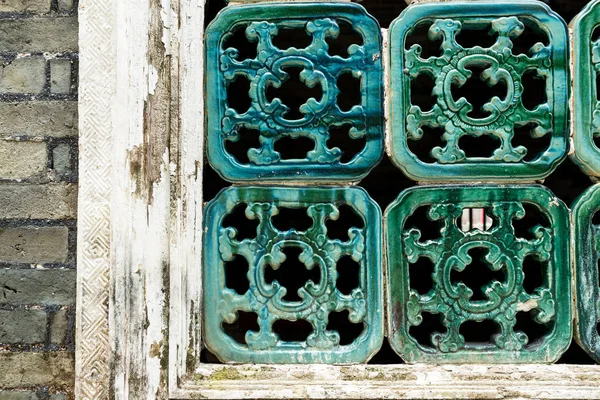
(317, 299)
(504, 250)
(266, 299)
(319, 69)
(452, 68)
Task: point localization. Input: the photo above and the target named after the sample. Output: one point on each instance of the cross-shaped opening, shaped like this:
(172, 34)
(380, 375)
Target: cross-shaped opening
(293, 92)
(478, 92)
(477, 274)
(292, 274)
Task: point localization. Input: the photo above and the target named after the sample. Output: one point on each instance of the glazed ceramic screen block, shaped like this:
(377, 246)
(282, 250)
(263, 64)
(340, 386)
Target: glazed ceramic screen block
(587, 272)
(266, 298)
(500, 294)
(586, 67)
(528, 140)
(261, 78)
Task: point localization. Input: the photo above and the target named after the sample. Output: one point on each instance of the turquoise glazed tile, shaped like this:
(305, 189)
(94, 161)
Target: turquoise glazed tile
(502, 119)
(458, 258)
(586, 239)
(270, 69)
(317, 299)
(586, 110)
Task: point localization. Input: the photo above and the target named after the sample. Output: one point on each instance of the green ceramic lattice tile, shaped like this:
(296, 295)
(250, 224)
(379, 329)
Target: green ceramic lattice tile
(586, 110)
(456, 293)
(316, 301)
(587, 273)
(320, 119)
(504, 119)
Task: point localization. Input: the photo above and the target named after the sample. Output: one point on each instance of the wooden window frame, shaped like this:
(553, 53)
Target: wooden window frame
(140, 238)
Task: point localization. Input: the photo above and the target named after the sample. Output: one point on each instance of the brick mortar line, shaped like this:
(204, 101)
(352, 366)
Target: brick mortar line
(30, 138)
(10, 56)
(40, 181)
(21, 222)
(42, 96)
(44, 266)
(33, 348)
(21, 15)
(8, 306)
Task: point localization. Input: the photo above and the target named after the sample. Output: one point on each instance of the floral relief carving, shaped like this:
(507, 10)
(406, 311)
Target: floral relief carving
(317, 299)
(452, 68)
(318, 68)
(504, 251)
(500, 116)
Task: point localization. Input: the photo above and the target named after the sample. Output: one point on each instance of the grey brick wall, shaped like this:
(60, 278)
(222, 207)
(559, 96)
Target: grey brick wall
(38, 198)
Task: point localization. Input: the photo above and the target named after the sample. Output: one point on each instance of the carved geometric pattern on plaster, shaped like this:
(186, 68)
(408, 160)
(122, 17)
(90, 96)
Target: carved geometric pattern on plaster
(316, 300)
(503, 250)
(93, 224)
(587, 272)
(502, 119)
(586, 104)
(271, 68)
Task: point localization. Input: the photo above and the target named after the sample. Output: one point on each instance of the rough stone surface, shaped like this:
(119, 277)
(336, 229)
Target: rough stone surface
(6, 395)
(58, 328)
(38, 119)
(30, 286)
(22, 326)
(60, 76)
(22, 160)
(22, 75)
(61, 156)
(34, 6)
(46, 34)
(38, 127)
(34, 244)
(36, 369)
(65, 5)
(50, 201)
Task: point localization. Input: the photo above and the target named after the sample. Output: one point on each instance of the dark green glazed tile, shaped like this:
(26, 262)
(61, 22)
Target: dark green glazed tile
(586, 110)
(456, 295)
(587, 280)
(504, 118)
(318, 300)
(320, 119)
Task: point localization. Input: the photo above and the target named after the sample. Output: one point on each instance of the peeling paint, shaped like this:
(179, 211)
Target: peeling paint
(155, 350)
(152, 79)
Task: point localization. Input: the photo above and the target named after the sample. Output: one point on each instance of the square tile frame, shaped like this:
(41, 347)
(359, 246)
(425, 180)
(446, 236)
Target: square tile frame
(587, 274)
(476, 170)
(584, 111)
(367, 119)
(367, 297)
(403, 247)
